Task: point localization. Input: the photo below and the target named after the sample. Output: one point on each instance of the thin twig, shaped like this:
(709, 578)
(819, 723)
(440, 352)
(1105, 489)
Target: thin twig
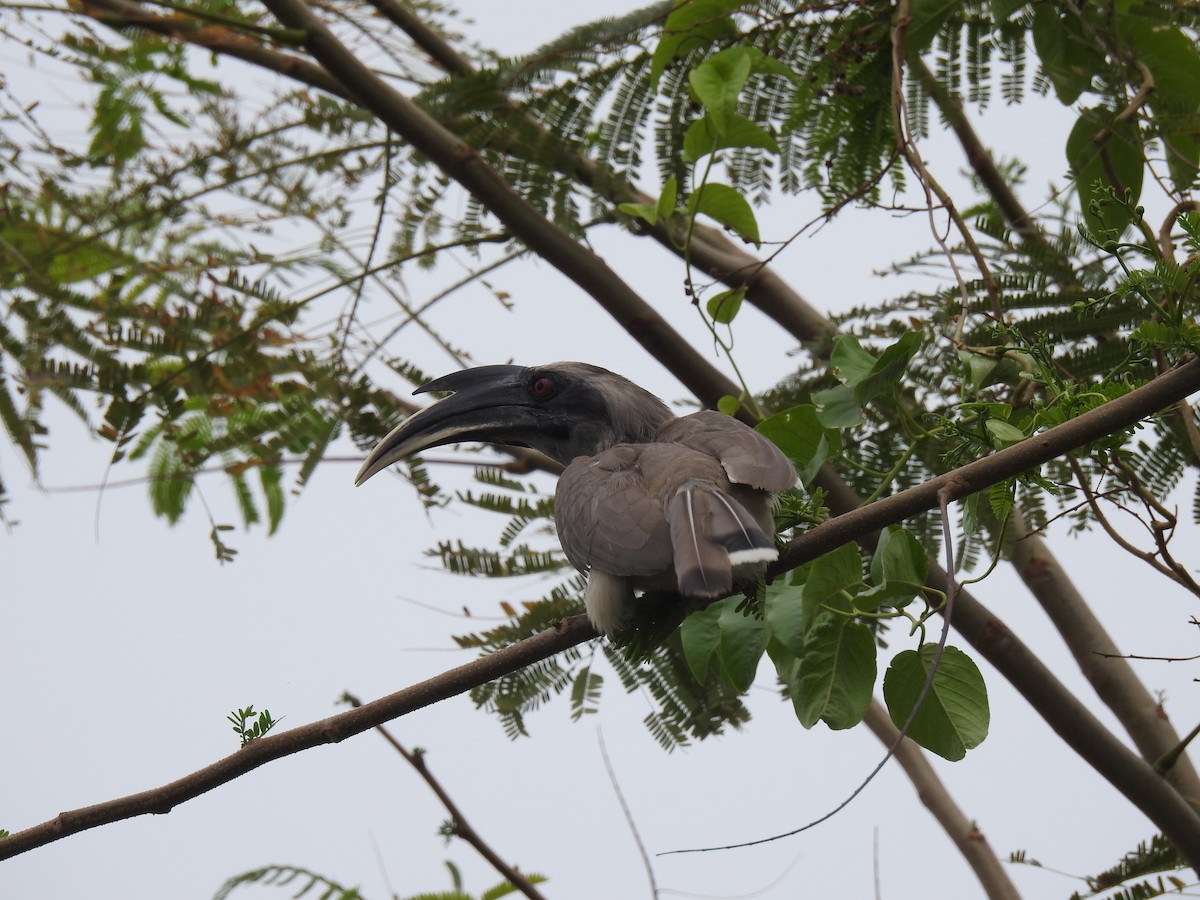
(637, 836)
(458, 822)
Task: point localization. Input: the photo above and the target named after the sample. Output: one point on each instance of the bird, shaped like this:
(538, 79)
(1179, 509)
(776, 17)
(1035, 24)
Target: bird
(648, 501)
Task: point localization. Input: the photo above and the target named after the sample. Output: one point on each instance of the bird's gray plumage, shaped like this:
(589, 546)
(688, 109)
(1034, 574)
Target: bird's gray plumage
(648, 501)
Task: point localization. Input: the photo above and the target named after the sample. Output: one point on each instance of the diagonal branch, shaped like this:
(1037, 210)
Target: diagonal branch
(932, 792)
(459, 825)
(463, 163)
(1097, 654)
(987, 633)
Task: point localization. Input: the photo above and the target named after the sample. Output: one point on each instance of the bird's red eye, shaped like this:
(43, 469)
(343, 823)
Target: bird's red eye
(542, 387)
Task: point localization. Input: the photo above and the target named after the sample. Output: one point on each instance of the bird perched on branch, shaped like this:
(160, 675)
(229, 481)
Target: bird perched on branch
(648, 501)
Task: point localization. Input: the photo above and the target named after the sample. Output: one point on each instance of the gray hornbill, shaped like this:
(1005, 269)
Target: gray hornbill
(648, 501)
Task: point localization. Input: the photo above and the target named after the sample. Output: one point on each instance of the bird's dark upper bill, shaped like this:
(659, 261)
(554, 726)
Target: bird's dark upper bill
(485, 401)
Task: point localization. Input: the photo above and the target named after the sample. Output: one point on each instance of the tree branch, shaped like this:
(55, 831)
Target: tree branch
(458, 822)
(461, 162)
(1098, 656)
(1061, 709)
(122, 15)
(932, 792)
(331, 730)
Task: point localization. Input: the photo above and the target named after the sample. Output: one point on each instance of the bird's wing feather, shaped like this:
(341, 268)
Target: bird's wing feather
(607, 520)
(747, 457)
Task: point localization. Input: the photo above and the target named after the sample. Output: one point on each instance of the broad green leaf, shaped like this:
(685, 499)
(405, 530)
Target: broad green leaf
(837, 408)
(787, 616)
(1003, 434)
(743, 641)
(928, 17)
(836, 675)
(702, 138)
(849, 362)
(955, 715)
(718, 81)
(979, 367)
(898, 569)
(834, 578)
(700, 635)
(886, 372)
(1174, 62)
(1117, 161)
(1183, 158)
(692, 24)
(727, 206)
(667, 199)
(799, 433)
(723, 307)
(641, 211)
(1069, 57)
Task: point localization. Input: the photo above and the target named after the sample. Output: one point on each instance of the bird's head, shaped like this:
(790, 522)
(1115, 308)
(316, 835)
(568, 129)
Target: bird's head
(565, 410)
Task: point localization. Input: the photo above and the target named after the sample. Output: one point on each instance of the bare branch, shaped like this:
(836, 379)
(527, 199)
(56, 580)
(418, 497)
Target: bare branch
(932, 792)
(458, 822)
(1097, 654)
(331, 730)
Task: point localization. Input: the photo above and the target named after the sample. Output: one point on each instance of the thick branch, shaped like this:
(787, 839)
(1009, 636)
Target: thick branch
(1065, 714)
(965, 834)
(1097, 654)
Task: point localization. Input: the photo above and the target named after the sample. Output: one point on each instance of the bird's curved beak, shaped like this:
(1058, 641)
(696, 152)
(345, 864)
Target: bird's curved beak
(485, 406)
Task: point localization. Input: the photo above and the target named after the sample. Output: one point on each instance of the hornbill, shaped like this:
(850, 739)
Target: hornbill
(648, 501)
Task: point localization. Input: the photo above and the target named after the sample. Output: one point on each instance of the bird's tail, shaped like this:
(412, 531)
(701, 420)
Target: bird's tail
(711, 532)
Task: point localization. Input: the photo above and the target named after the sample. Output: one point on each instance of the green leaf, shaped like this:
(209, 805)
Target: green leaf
(271, 478)
(723, 307)
(787, 615)
(700, 635)
(729, 405)
(955, 715)
(743, 641)
(836, 675)
(1003, 434)
(800, 434)
(979, 367)
(899, 566)
(692, 24)
(718, 81)
(702, 137)
(886, 372)
(837, 408)
(835, 577)
(928, 17)
(1069, 57)
(667, 199)
(1116, 161)
(727, 206)
(642, 211)
(850, 362)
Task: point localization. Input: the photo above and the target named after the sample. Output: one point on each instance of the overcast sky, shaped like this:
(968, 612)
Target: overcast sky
(125, 645)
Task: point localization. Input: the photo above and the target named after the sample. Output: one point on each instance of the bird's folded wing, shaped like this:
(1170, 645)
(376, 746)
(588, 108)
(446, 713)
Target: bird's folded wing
(747, 457)
(608, 520)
